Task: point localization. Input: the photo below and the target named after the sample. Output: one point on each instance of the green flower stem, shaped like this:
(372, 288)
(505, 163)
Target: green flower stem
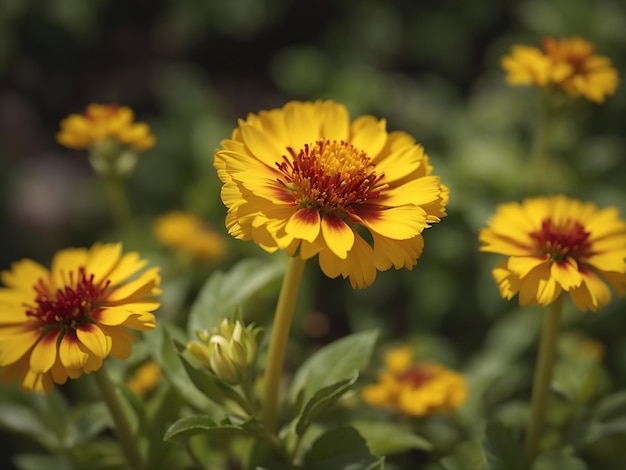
(118, 200)
(280, 335)
(542, 379)
(541, 144)
(122, 428)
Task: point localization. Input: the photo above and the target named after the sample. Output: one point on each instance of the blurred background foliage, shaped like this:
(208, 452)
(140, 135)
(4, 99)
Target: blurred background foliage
(191, 68)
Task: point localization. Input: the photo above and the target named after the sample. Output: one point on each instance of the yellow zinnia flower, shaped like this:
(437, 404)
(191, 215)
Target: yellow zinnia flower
(305, 179)
(415, 389)
(101, 122)
(569, 64)
(188, 234)
(556, 244)
(63, 322)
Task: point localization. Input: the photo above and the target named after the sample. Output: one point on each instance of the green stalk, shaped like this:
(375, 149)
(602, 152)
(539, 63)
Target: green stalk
(123, 430)
(280, 335)
(543, 377)
(118, 200)
(539, 164)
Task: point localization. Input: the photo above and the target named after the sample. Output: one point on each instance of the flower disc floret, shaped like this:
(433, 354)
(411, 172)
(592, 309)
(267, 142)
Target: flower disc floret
(307, 180)
(555, 245)
(63, 322)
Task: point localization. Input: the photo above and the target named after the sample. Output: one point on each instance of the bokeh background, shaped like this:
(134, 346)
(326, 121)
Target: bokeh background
(191, 68)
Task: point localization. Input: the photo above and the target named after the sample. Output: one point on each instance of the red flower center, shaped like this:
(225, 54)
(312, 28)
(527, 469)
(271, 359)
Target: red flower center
(560, 241)
(329, 176)
(416, 377)
(70, 306)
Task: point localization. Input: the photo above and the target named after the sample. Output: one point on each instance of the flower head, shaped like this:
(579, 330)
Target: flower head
(145, 379)
(556, 244)
(306, 180)
(63, 322)
(187, 233)
(101, 122)
(415, 389)
(568, 64)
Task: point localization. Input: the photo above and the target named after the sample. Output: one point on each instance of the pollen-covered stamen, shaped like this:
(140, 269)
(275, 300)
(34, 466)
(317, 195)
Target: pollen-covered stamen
(563, 240)
(416, 376)
(329, 176)
(71, 305)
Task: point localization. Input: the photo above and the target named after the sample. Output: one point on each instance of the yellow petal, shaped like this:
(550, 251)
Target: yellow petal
(101, 260)
(566, 273)
(369, 135)
(128, 266)
(260, 146)
(64, 262)
(92, 337)
(399, 223)
(336, 124)
(139, 287)
(339, 237)
(71, 354)
(304, 224)
(44, 353)
(16, 341)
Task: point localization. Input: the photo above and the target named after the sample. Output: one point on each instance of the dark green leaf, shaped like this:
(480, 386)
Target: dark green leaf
(502, 447)
(560, 459)
(335, 362)
(340, 449)
(321, 401)
(86, 422)
(223, 292)
(42, 462)
(190, 426)
(387, 438)
(466, 456)
(24, 421)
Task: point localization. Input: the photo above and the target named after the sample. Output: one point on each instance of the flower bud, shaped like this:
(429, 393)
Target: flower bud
(229, 350)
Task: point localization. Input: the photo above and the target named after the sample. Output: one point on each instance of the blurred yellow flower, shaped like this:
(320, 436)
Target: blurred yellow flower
(556, 244)
(569, 64)
(188, 234)
(101, 122)
(63, 322)
(145, 378)
(415, 389)
(307, 180)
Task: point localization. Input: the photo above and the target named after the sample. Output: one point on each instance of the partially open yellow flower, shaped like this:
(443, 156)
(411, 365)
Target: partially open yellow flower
(415, 389)
(188, 234)
(555, 244)
(145, 379)
(569, 64)
(307, 180)
(63, 322)
(101, 122)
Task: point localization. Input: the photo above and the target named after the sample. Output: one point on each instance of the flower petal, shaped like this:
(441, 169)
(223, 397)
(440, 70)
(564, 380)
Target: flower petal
(339, 237)
(304, 224)
(92, 337)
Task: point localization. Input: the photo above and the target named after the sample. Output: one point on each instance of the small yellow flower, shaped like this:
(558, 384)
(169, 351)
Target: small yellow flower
(145, 378)
(188, 234)
(415, 389)
(556, 244)
(569, 64)
(101, 122)
(306, 179)
(63, 322)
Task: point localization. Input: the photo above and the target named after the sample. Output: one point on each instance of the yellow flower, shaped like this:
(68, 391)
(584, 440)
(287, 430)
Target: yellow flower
(306, 180)
(569, 64)
(415, 389)
(556, 244)
(63, 322)
(101, 122)
(188, 234)
(145, 378)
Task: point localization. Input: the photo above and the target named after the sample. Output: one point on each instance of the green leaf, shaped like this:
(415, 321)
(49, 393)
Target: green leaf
(502, 447)
(190, 426)
(387, 438)
(559, 459)
(606, 419)
(341, 449)
(335, 362)
(42, 462)
(466, 456)
(223, 292)
(210, 385)
(23, 420)
(321, 401)
(86, 422)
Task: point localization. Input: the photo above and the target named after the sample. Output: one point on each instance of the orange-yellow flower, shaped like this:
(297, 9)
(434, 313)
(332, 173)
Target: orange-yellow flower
(63, 322)
(568, 64)
(556, 244)
(188, 234)
(145, 379)
(415, 389)
(101, 122)
(306, 180)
